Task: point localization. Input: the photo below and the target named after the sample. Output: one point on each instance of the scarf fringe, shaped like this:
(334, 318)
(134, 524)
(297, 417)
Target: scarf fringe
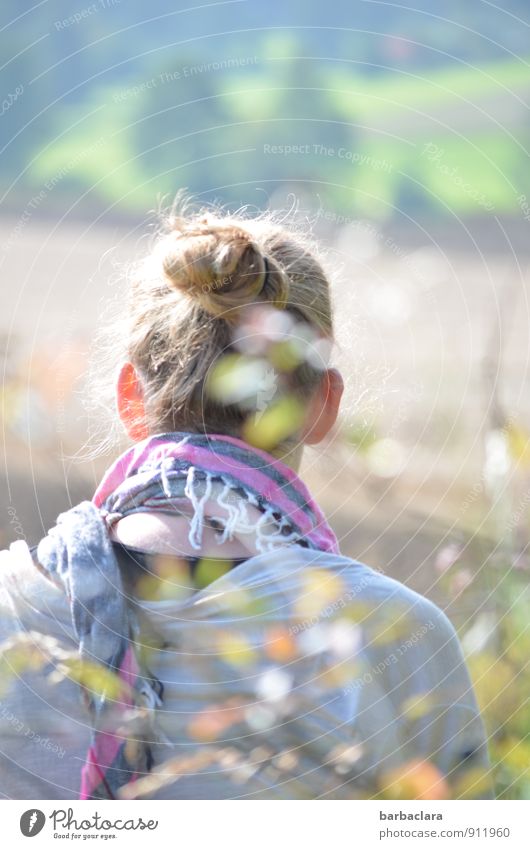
(200, 490)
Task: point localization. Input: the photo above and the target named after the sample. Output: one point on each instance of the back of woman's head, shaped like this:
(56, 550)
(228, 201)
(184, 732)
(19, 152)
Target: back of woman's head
(206, 272)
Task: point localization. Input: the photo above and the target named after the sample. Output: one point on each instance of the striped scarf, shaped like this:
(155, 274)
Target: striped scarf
(205, 477)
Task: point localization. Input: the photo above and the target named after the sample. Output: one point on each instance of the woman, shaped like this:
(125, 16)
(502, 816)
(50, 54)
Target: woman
(223, 646)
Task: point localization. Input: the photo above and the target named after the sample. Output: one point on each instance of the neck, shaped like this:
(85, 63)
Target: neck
(291, 457)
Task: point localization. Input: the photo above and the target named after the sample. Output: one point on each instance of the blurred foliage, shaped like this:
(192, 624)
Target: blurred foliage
(122, 105)
(488, 577)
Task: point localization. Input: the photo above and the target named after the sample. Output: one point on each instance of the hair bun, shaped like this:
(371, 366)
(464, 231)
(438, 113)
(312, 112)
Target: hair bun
(222, 268)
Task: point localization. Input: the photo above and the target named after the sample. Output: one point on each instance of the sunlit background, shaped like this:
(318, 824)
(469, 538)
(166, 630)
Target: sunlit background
(399, 135)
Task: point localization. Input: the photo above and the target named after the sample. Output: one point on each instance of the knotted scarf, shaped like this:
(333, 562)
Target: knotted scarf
(203, 477)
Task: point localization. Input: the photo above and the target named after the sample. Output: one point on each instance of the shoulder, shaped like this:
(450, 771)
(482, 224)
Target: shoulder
(396, 614)
(401, 629)
(331, 586)
(382, 595)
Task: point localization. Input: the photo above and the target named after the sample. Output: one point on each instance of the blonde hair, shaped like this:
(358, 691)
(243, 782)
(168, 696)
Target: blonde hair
(205, 269)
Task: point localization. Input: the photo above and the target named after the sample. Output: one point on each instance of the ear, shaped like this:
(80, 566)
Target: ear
(324, 407)
(130, 403)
